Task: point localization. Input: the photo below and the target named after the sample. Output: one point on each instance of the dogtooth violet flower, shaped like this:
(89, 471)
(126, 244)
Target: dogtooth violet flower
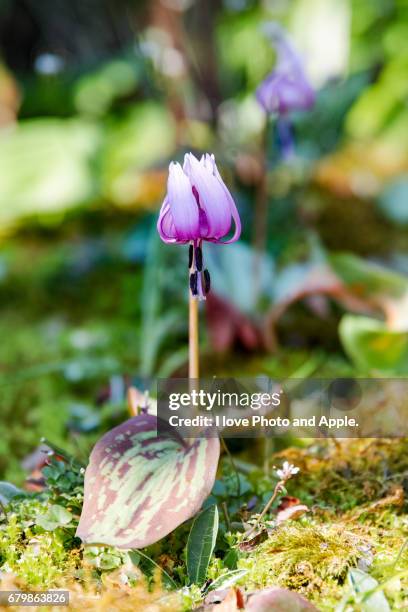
(198, 207)
(287, 87)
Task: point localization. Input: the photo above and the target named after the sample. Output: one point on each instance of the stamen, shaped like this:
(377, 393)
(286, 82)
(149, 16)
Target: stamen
(190, 256)
(207, 281)
(194, 283)
(199, 258)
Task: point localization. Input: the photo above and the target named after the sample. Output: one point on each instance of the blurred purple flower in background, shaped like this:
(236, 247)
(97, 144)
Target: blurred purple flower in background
(197, 207)
(286, 88)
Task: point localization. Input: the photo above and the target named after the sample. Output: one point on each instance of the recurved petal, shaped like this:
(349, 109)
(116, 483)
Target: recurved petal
(210, 162)
(165, 224)
(182, 204)
(237, 223)
(213, 198)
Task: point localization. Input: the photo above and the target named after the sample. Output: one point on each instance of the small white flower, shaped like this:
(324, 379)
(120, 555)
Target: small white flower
(288, 470)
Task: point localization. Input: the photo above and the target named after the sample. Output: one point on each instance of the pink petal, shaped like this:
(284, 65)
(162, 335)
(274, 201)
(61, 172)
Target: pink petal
(165, 224)
(210, 163)
(212, 195)
(183, 206)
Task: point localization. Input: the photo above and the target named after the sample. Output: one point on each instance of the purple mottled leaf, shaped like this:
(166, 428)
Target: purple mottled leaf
(276, 599)
(139, 486)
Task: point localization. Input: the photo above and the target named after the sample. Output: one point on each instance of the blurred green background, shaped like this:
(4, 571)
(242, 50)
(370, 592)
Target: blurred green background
(96, 97)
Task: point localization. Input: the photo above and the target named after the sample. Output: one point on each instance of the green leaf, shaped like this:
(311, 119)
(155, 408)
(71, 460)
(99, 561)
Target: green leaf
(142, 139)
(109, 561)
(8, 491)
(96, 91)
(367, 278)
(371, 346)
(138, 558)
(362, 584)
(201, 543)
(46, 166)
(227, 580)
(57, 516)
(141, 485)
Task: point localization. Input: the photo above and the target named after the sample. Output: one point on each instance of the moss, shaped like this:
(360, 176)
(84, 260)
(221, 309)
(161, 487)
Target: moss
(113, 593)
(390, 559)
(40, 559)
(45, 562)
(308, 557)
(343, 474)
(355, 490)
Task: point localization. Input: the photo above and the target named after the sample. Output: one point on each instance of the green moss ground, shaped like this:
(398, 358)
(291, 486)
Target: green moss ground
(357, 517)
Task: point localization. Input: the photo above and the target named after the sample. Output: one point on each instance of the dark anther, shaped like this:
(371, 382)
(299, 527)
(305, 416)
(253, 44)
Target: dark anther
(193, 283)
(190, 255)
(207, 281)
(199, 258)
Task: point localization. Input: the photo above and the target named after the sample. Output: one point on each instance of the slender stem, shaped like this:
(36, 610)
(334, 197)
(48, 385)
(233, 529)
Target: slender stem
(267, 449)
(224, 507)
(193, 363)
(261, 215)
(132, 402)
(276, 491)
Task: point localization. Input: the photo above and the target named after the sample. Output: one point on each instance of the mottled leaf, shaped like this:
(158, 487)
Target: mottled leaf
(139, 486)
(201, 543)
(277, 599)
(228, 326)
(274, 599)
